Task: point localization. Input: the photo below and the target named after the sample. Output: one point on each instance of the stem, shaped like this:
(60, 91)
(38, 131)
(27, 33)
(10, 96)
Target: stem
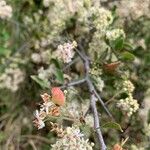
(96, 117)
(96, 122)
(71, 63)
(73, 83)
(102, 103)
(113, 98)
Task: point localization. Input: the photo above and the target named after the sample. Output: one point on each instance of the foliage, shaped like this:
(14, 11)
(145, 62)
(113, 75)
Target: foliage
(94, 58)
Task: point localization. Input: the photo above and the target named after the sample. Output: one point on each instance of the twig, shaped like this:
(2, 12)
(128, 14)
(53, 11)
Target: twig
(112, 98)
(32, 144)
(71, 63)
(73, 83)
(102, 103)
(96, 122)
(83, 57)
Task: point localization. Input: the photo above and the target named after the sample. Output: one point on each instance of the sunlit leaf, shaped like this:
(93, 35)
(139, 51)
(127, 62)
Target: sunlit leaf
(42, 83)
(127, 56)
(117, 44)
(59, 74)
(112, 125)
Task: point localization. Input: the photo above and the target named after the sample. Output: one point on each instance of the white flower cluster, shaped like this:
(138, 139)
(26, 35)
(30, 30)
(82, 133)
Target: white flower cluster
(103, 18)
(128, 105)
(126, 86)
(112, 35)
(66, 52)
(42, 57)
(74, 108)
(72, 140)
(89, 120)
(46, 3)
(11, 79)
(99, 83)
(5, 10)
(147, 129)
(134, 8)
(42, 43)
(97, 44)
(135, 147)
(94, 70)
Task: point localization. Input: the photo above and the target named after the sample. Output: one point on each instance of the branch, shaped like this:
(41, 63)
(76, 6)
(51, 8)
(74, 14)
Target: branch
(95, 114)
(96, 122)
(93, 105)
(94, 96)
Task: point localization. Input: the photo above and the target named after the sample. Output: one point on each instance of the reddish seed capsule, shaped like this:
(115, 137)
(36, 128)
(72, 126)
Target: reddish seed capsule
(58, 96)
(111, 68)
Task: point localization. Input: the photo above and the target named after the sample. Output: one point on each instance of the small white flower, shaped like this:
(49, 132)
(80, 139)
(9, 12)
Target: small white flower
(38, 122)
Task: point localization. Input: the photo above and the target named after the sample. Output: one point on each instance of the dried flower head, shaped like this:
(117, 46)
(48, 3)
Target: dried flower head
(57, 129)
(39, 116)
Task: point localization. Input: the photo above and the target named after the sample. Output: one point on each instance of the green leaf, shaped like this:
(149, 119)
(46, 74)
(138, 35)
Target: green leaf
(4, 51)
(117, 44)
(56, 63)
(59, 75)
(128, 46)
(42, 83)
(2, 136)
(112, 125)
(127, 56)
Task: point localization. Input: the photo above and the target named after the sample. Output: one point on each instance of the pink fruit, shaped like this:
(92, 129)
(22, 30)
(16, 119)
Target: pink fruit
(58, 96)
